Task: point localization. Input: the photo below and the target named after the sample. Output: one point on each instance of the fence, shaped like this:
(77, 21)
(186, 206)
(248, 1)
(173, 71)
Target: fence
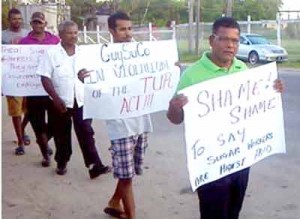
(288, 35)
(281, 32)
(141, 33)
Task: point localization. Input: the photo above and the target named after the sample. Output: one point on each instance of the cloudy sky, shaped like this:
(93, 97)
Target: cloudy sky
(291, 5)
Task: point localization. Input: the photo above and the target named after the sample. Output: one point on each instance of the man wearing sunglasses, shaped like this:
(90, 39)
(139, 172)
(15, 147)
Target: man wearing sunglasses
(38, 106)
(223, 198)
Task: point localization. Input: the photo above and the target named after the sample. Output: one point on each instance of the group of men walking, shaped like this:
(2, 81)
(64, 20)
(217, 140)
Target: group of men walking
(221, 199)
(48, 116)
(53, 115)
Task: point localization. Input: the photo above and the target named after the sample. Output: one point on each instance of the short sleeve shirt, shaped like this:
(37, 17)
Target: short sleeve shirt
(11, 37)
(49, 39)
(204, 69)
(62, 70)
(124, 128)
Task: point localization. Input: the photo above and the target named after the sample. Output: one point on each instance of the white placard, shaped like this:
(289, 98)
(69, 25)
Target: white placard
(129, 79)
(19, 64)
(232, 122)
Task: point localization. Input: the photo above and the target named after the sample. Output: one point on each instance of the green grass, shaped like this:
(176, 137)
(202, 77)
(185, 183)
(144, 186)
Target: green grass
(292, 47)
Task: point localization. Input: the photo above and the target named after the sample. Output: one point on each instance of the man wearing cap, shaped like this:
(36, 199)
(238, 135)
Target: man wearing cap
(38, 35)
(37, 106)
(15, 105)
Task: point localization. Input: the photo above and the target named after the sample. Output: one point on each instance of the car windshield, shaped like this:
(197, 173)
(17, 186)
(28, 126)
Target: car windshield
(258, 40)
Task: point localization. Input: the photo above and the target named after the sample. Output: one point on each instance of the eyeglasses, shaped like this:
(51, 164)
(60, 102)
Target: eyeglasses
(224, 39)
(37, 22)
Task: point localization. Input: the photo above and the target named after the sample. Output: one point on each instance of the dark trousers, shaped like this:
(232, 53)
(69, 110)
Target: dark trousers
(84, 133)
(40, 116)
(223, 198)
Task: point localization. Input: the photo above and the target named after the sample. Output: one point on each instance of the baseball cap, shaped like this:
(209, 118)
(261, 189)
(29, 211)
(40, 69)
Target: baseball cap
(38, 16)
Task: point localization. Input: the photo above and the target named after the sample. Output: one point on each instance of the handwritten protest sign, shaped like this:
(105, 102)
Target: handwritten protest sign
(19, 64)
(129, 79)
(231, 123)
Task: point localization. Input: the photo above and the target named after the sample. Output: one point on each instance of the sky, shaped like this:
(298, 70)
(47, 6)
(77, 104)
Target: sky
(291, 5)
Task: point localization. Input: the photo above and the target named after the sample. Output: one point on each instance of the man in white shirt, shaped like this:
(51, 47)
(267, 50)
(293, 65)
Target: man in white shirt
(59, 77)
(129, 137)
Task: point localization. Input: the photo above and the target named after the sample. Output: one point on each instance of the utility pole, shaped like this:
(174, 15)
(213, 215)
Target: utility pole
(10, 4)
(197, 27)
(191, 21)
(229, 8)
(115, 5)
(278, 21)
(61, 11)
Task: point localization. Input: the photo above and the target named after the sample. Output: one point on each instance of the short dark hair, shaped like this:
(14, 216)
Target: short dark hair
(13, 11)
(228, 22)
(112, 20)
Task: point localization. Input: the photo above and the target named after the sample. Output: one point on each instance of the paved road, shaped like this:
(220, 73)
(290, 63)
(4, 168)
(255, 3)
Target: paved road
(274, 191)
(30, 191)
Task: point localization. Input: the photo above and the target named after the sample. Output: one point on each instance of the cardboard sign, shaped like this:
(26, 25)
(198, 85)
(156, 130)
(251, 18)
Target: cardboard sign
(19, 64)
(129, 79)
(232, 122)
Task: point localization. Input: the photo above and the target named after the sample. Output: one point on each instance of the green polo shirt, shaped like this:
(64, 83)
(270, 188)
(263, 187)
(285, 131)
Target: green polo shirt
(204, 69)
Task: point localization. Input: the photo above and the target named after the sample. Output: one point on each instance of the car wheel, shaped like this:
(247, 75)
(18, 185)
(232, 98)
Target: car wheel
(253, 58)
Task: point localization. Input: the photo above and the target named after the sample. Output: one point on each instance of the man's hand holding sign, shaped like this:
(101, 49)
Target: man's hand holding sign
(128, 79)
(83, 73)
(230, 122)
(230, 126)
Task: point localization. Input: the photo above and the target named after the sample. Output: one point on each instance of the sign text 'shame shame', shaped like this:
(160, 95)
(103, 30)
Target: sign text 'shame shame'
(231, 123)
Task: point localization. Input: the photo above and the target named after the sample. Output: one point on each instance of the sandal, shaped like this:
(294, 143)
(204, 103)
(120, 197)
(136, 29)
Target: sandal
(49, 151)
(26, 140)
(115, 212)
(20, 150)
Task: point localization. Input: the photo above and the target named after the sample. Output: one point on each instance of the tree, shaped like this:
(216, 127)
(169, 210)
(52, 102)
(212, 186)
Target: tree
(5, 9)
(79, 8)
(158, 12)
(258, 9)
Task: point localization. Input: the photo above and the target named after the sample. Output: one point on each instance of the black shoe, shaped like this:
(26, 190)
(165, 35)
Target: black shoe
(46, 162)
(98, 170)
(61, 169)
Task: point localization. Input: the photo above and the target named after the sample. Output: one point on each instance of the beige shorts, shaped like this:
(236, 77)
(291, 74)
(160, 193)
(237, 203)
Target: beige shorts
(16, 106)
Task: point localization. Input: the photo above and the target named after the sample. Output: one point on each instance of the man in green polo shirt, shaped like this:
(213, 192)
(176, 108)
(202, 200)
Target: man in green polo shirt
(209, 69)
(223, 198)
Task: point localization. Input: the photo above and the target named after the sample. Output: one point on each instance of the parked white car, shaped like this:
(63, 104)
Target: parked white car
(255, 48)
